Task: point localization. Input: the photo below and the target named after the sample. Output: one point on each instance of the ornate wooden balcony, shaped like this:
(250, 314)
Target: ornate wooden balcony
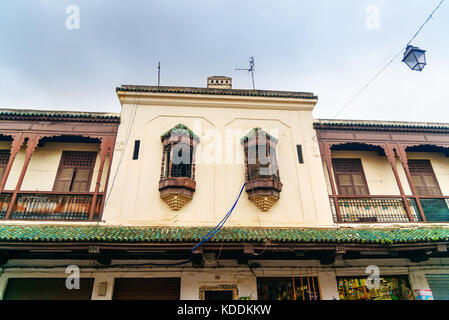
(388, 209)
(40, 205)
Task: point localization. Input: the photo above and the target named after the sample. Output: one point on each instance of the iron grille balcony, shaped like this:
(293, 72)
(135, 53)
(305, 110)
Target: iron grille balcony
(5, 199)
(388, 209)
(435, 209)
(50, 206)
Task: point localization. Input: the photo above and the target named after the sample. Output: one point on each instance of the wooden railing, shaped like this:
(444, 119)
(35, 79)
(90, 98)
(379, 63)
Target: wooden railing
(38, 205)
(388, 209)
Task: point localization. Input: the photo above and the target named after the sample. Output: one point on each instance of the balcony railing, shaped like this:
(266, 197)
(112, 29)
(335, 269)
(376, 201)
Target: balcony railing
(50, 206)
(388, 209)
(435, 209)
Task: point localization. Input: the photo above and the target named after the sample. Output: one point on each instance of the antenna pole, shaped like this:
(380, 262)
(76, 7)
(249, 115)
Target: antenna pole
(250, 69)
(159, 74)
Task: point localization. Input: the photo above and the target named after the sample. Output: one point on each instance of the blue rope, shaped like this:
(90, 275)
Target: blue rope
(211, 233)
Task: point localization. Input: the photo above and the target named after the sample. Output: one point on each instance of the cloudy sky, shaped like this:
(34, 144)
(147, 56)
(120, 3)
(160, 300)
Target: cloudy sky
(328, 47)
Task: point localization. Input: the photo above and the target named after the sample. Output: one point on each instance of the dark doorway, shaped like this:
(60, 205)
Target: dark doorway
(46, 289)
(218, 295)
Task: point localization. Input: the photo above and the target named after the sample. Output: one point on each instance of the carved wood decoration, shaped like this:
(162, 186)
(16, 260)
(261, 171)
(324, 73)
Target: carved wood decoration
(31, 131)
(177, 181)
(394, 141)
(263, 184)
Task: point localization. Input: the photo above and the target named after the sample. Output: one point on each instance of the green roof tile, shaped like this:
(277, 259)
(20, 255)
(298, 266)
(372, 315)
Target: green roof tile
(216, 91)
(12, 114)
(120, 234)
(180, 129)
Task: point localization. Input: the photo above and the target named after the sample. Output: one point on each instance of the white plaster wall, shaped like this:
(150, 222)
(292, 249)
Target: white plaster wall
(135, 200)
(192, 281)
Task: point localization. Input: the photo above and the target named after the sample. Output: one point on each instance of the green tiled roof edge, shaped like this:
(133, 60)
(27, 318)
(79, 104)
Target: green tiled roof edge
(214, 91)
(322, 123)
(255, 132)
(122, 234)
(180, 129)
(58, 114)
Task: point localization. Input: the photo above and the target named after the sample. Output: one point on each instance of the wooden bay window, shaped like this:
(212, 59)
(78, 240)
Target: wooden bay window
(177, 181)
(263, 184)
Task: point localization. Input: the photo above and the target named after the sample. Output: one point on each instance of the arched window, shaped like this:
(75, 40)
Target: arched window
(177, 181)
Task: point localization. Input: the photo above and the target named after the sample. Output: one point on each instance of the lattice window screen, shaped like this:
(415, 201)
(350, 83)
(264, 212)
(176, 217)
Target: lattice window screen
(4, 158)
(78, 159)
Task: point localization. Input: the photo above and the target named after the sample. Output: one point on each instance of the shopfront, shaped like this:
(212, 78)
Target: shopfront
(389, 288)
(294, 288)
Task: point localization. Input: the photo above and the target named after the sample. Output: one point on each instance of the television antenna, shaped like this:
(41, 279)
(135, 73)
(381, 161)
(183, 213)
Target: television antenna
(158, 74)
(250, 69)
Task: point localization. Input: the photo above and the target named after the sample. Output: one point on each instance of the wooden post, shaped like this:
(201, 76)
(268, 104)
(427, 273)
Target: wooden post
(171, 159)
(392, 159)
(245, 157)
(16, 144)
(403, 157)
(193, 150)
(325, 149)
(110, 148)
(32, 142)
(164, 151)
(104, 150)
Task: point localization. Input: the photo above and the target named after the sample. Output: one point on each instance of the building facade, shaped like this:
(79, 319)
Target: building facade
(221, 193)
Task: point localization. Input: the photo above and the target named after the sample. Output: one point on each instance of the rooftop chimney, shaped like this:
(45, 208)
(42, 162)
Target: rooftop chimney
(219, 82)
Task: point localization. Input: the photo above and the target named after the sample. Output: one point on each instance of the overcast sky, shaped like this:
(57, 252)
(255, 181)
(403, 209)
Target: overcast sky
(328, 47)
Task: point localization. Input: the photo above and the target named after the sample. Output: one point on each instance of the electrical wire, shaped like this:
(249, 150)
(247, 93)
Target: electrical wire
(387, 65)
(428, 19)
(211, 233)
(212, 262)
(128, 133)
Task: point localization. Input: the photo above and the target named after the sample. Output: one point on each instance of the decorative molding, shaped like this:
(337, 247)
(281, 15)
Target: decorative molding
(220, 287)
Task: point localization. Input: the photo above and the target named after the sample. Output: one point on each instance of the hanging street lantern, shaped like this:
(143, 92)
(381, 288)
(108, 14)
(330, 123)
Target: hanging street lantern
(415, 58)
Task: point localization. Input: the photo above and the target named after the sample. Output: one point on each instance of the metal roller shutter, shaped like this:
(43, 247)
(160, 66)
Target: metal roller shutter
(147, 289)
(439, 284)
(46, 289)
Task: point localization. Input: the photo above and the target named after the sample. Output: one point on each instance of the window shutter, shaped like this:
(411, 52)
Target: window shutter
(81, 180)
(350, 177)
(75, 171)
(345, 183)
(64, 180)
(424, 179)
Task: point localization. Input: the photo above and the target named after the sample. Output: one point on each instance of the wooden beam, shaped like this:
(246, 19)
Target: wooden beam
(325, 150)
(104, 147)
(32, 142)
(389, 151)
(16, 144)
(403, 157)
(111, 147)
